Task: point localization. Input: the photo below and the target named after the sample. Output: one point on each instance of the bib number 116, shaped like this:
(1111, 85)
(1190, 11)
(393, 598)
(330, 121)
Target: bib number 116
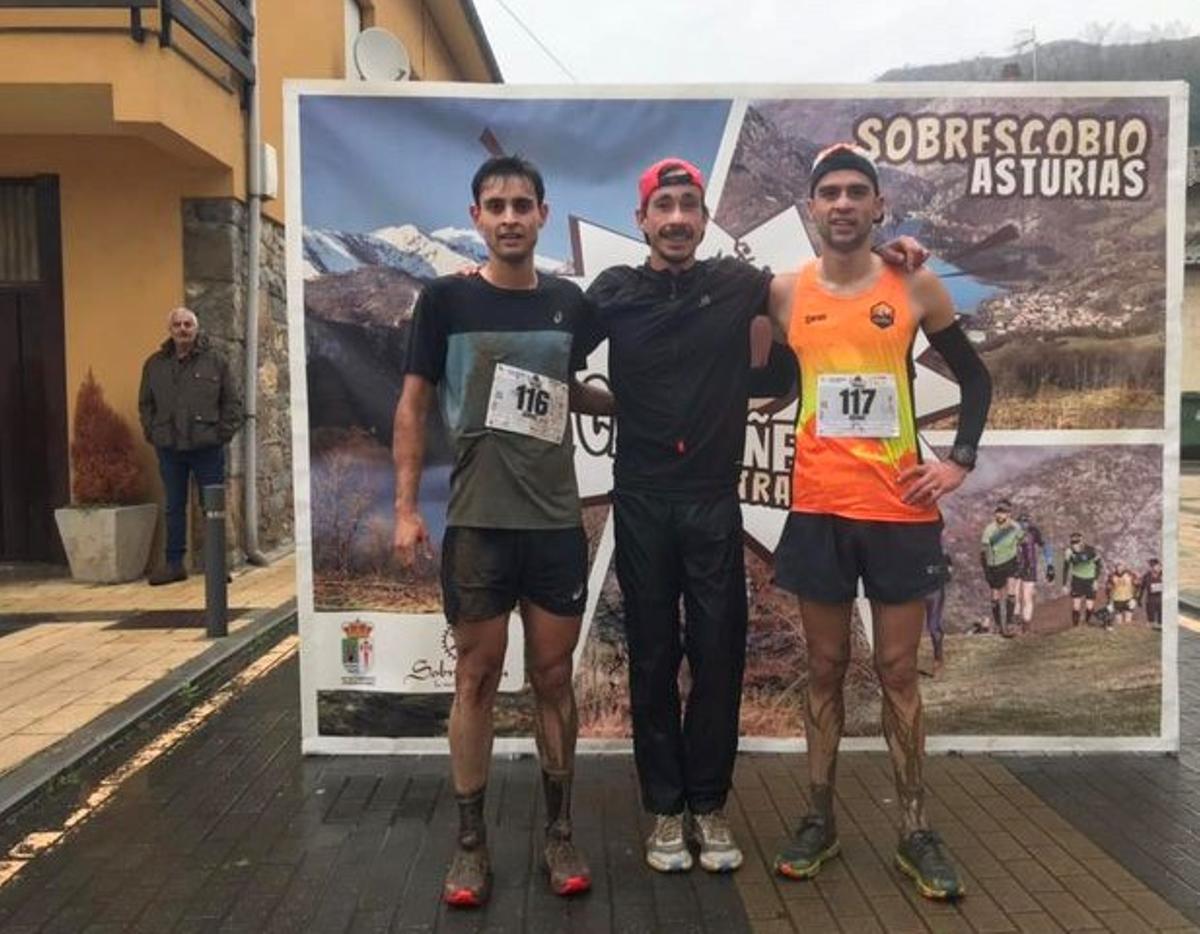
(533, 401)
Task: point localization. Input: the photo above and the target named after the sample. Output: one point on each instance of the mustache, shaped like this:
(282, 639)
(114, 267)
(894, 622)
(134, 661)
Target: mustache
(676, 230)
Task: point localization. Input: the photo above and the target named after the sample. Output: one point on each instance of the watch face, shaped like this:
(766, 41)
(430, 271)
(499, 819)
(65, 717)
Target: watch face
(963, 455)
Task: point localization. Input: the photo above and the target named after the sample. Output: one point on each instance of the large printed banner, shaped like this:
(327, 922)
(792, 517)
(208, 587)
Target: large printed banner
(1054, 214)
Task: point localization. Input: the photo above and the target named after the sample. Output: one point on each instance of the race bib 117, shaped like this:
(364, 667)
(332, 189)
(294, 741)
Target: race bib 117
(857, 405)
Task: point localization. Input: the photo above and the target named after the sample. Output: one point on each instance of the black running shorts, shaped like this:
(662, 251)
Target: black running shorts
(486, 571)
(998, 575)
(1083, 587)
(821, 558)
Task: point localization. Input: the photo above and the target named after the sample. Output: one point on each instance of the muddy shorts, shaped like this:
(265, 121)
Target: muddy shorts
(486, 571)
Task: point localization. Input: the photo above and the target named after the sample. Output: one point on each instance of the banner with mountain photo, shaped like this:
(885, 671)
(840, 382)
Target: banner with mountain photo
(1054, 215)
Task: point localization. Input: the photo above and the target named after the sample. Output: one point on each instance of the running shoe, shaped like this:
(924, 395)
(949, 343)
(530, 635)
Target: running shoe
(922, 857)
(569, 872)
(719, 852)
(814, 844)
(469, 879)
(666, 847)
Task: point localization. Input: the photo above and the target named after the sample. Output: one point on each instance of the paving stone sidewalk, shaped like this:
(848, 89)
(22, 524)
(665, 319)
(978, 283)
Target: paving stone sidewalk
(1144, 810)
(70, 652)
(234, 831)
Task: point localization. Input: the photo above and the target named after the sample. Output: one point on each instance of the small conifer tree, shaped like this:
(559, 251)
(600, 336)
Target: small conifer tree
(104, 463)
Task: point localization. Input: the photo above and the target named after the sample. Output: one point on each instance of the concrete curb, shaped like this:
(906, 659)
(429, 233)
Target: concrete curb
(23, 782)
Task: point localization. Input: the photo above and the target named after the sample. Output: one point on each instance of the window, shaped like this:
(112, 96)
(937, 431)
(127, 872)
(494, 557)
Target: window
(18, 233)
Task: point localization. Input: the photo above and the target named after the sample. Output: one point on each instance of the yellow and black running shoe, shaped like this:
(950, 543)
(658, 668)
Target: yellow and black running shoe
(922, 857)
(814, 844)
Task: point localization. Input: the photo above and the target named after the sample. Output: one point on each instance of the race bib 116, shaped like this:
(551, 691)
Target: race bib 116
(527, 404)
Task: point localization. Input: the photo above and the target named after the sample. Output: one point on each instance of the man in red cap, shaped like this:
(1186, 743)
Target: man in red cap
(679, 332)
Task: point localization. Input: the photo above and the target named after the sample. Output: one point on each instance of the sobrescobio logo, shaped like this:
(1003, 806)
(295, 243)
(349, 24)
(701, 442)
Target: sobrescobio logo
(358, 651)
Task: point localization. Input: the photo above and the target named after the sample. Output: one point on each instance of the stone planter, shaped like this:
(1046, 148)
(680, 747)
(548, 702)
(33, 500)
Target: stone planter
(107, 544)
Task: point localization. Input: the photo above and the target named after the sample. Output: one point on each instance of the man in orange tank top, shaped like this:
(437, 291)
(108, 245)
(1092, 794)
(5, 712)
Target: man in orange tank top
(864, 503)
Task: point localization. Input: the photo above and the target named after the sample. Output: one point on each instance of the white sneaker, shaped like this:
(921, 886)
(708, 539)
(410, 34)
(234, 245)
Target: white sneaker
(719, 852)
(666, 847)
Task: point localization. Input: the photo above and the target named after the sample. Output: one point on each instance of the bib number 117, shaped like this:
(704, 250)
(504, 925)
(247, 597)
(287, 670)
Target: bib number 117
(856, 402)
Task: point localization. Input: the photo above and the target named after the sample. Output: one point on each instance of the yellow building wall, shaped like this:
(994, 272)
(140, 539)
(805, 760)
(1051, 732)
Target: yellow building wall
(307, 40)
(93, 83)
(157, 94)
(296, 40)
(105, 83)
(415, 26)
(131, 131)
(122, 230)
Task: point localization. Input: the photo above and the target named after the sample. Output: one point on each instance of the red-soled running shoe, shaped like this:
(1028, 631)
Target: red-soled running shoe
(569, 872)
(469, 879)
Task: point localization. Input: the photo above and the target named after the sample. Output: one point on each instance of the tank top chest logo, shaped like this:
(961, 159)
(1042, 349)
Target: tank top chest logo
(883, 315)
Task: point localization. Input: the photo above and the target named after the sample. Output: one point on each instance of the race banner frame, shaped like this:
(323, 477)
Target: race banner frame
(376, 660)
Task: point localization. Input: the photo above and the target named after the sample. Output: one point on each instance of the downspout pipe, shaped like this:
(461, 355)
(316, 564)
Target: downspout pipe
(254, 201)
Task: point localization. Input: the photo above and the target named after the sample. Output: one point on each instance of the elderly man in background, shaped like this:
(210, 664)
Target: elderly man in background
(189, 411)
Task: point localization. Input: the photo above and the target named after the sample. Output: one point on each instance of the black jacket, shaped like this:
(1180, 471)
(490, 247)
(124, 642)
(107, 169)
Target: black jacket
(189, 403)
(679, 364)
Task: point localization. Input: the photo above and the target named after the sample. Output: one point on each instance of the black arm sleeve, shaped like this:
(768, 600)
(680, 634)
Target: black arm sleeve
(973, 381)
(778, 377)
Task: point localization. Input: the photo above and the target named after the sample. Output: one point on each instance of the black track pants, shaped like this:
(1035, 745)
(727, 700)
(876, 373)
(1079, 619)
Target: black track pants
(666, 548)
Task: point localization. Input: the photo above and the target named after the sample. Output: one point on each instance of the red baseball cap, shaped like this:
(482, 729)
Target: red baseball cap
(669, 171)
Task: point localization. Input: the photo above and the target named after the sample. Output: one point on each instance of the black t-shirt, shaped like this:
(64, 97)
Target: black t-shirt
(502, 360)
(679, 364)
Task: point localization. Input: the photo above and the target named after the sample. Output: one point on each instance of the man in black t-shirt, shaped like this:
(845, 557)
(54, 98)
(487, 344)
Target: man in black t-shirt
(501, 349)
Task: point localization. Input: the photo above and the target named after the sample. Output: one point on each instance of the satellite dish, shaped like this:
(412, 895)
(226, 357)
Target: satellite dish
(380, 56)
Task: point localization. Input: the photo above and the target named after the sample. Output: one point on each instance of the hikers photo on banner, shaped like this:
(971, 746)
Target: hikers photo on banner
(1053, 215)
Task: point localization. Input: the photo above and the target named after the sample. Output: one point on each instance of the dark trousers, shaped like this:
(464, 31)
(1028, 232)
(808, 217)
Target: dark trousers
(1154, 608)
(664, 549)
(208, 467)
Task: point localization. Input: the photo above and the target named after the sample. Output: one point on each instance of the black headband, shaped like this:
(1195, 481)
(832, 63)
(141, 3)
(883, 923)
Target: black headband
(842, 159)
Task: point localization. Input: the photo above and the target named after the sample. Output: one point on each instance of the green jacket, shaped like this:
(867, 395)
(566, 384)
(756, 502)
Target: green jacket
(189, 403)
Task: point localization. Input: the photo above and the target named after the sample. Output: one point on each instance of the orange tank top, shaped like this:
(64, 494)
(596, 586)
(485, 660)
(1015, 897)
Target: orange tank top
(856, 428)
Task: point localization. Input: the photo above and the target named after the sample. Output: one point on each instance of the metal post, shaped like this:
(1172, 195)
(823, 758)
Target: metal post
(216, 596)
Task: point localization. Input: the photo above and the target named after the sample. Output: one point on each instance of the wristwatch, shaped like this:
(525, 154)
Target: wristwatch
(963, 455)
